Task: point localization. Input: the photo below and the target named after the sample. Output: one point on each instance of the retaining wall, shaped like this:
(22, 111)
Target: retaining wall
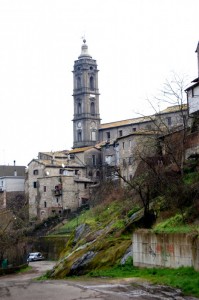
(165, 250)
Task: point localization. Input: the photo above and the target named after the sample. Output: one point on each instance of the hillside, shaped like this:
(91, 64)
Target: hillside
(101, 237)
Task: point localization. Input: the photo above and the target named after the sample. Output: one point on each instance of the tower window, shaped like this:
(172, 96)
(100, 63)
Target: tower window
(79, 108)
(92, 108)
(44, 188)
(79, 136)
(78, 82)
(92, 83)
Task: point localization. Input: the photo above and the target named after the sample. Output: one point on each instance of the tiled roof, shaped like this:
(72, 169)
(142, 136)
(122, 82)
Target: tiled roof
(57, 154)
(126, 122)
(174, 108)
(10, 170)
(83, 149)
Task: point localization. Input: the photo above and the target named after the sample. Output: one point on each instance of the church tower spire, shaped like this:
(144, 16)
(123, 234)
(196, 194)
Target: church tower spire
(86, 119)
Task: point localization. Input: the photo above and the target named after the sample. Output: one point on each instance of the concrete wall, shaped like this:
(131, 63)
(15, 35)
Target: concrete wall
(165, 250)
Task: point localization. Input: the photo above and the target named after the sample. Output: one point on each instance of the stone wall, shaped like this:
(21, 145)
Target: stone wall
(165, 250)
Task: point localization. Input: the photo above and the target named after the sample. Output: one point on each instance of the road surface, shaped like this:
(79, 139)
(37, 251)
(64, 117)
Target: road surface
(23, 286)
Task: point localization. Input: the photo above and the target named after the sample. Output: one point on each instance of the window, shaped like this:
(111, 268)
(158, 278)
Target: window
(169, 121)
(94, 160)
(92, 108)
(124, 163)
(120, 132)
(57, 199)
(35, 172)
(78, 82)
(35, 184)
(44, 188)
(92, 83)
(79, 136)
(108, 135)
(134, 129)
(61, 171)
(130, 143)
(45, 204)
(76, 172)
(79, 108)
(131, 177)
(123, 145)
(130, 160)
(98, 174)
(85, 185)
(90, 173)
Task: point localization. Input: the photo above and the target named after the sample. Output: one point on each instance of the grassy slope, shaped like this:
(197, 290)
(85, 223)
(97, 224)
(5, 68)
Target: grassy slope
(109, 235)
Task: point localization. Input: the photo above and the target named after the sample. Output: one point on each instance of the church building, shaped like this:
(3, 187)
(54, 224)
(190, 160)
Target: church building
(62, 181)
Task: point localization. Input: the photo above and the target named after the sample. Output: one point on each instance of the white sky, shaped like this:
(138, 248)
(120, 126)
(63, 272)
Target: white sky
(137, 44)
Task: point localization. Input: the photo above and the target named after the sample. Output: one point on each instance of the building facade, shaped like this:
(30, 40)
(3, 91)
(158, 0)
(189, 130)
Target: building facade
(12, 194)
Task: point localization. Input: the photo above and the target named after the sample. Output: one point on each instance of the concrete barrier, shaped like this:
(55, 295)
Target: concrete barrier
(165, 250)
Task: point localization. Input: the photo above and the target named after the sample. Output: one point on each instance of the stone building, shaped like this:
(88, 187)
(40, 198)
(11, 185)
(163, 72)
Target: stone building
(61, 181)
(124, 153)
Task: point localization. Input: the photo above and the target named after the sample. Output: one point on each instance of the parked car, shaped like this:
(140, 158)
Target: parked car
(35, 256)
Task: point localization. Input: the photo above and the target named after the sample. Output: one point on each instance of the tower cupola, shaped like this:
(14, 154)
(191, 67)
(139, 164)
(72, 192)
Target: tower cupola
(84, 52)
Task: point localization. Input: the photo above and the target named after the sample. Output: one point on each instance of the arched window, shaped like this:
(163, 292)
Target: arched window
(90, 173)
(79, 136)
(79, 108)
(92, 83)
(92, 108)
(78, 82)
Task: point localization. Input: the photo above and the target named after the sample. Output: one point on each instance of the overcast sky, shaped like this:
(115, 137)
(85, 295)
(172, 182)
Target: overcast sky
(137, 44)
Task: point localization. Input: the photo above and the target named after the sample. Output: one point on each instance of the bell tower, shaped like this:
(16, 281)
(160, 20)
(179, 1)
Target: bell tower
(86, 119)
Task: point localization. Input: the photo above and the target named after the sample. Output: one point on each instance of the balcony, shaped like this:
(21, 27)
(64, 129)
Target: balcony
(58, 190)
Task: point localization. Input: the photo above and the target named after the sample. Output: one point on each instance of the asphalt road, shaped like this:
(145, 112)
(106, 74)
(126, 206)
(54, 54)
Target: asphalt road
(23, 286)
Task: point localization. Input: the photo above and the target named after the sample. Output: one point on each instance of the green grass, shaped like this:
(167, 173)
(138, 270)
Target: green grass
(191, 178)
(184, 278)
(175, 225)
(24, 270)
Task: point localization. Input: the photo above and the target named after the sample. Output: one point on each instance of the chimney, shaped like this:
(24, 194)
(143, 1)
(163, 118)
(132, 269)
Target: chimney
(14, 162)
(197, 50)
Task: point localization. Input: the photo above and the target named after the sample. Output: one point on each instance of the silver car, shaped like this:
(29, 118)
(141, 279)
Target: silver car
(34, 256)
